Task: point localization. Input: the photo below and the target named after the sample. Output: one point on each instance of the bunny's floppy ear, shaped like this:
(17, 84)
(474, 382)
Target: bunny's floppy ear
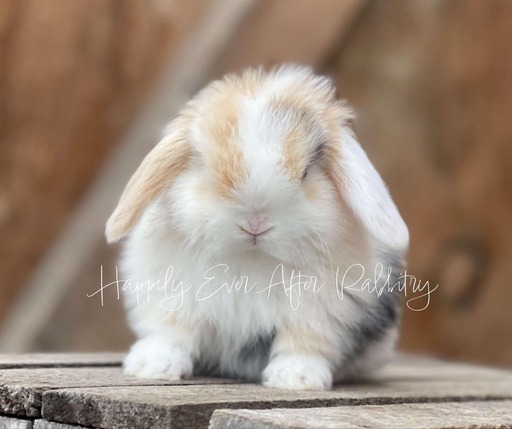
(363, 190)
(156, 171)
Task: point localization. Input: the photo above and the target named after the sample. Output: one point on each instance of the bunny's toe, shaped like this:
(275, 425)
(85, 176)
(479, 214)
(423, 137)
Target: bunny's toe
(154, 358)
(298, 372)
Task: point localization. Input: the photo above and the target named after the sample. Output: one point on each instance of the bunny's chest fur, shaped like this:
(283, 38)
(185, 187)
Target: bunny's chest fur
(235, 309)
(236, 299)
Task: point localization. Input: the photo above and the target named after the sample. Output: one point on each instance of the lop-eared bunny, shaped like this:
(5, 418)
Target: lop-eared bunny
(261, 243)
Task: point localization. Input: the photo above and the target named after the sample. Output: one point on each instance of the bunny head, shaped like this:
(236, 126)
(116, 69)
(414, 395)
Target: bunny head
(263, 161)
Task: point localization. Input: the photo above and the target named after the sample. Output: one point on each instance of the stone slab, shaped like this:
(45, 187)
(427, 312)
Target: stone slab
(21, 389)
(466, 415)
(44, 360)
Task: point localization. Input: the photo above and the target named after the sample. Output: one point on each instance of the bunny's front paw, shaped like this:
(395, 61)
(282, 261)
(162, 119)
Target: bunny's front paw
(298, 373)
(153, 357)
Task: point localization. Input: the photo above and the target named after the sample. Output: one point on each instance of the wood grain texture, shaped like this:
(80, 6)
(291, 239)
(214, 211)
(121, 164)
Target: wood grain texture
(191, 406)
(429, 84)
(428, 391)
(48, 360)
(45, 424)
(82, 322)
(491, 414)
(13, 423)
(21, 389)
(71, 76)
(298, 31)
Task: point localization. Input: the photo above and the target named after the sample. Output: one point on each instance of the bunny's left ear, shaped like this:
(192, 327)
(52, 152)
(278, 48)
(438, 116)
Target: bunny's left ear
(362, 188)
(160, 167)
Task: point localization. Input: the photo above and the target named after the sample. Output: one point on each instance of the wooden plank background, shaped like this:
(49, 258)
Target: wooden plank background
(410, 392)
(72, 74)
(429, 83)
(428, 80)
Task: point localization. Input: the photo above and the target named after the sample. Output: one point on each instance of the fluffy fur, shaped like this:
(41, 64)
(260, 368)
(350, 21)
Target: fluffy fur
(259, 180)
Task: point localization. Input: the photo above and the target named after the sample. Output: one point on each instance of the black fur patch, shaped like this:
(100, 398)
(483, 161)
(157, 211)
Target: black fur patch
(257, 348)
(377, 319)
(207, 368)
(248, 364)
(255, 355)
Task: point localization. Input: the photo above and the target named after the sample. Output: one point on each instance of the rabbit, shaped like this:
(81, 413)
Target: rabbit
(258, 182)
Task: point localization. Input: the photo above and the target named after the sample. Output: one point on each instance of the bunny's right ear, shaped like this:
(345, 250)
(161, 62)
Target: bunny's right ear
(364, 191)
(156, 171)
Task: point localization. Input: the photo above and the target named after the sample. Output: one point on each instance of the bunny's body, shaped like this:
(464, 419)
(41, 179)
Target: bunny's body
(263, 244)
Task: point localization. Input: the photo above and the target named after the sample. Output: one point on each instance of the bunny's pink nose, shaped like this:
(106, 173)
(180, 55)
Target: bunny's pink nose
(255, 232)
(255, 226)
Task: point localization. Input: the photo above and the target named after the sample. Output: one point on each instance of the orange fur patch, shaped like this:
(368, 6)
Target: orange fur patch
(303, 125)
(294, 159)
(303, 340)
(314, 112)
(311, 190)
(218, 106)
(225, 154)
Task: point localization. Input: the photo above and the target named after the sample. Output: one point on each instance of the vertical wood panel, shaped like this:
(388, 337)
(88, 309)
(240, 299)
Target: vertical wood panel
(429, 81)
(71, 76)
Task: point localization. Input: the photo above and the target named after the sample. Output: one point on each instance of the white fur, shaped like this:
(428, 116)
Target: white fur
(298, 372)
(190, 235)
(369, 197)
(156, 357)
